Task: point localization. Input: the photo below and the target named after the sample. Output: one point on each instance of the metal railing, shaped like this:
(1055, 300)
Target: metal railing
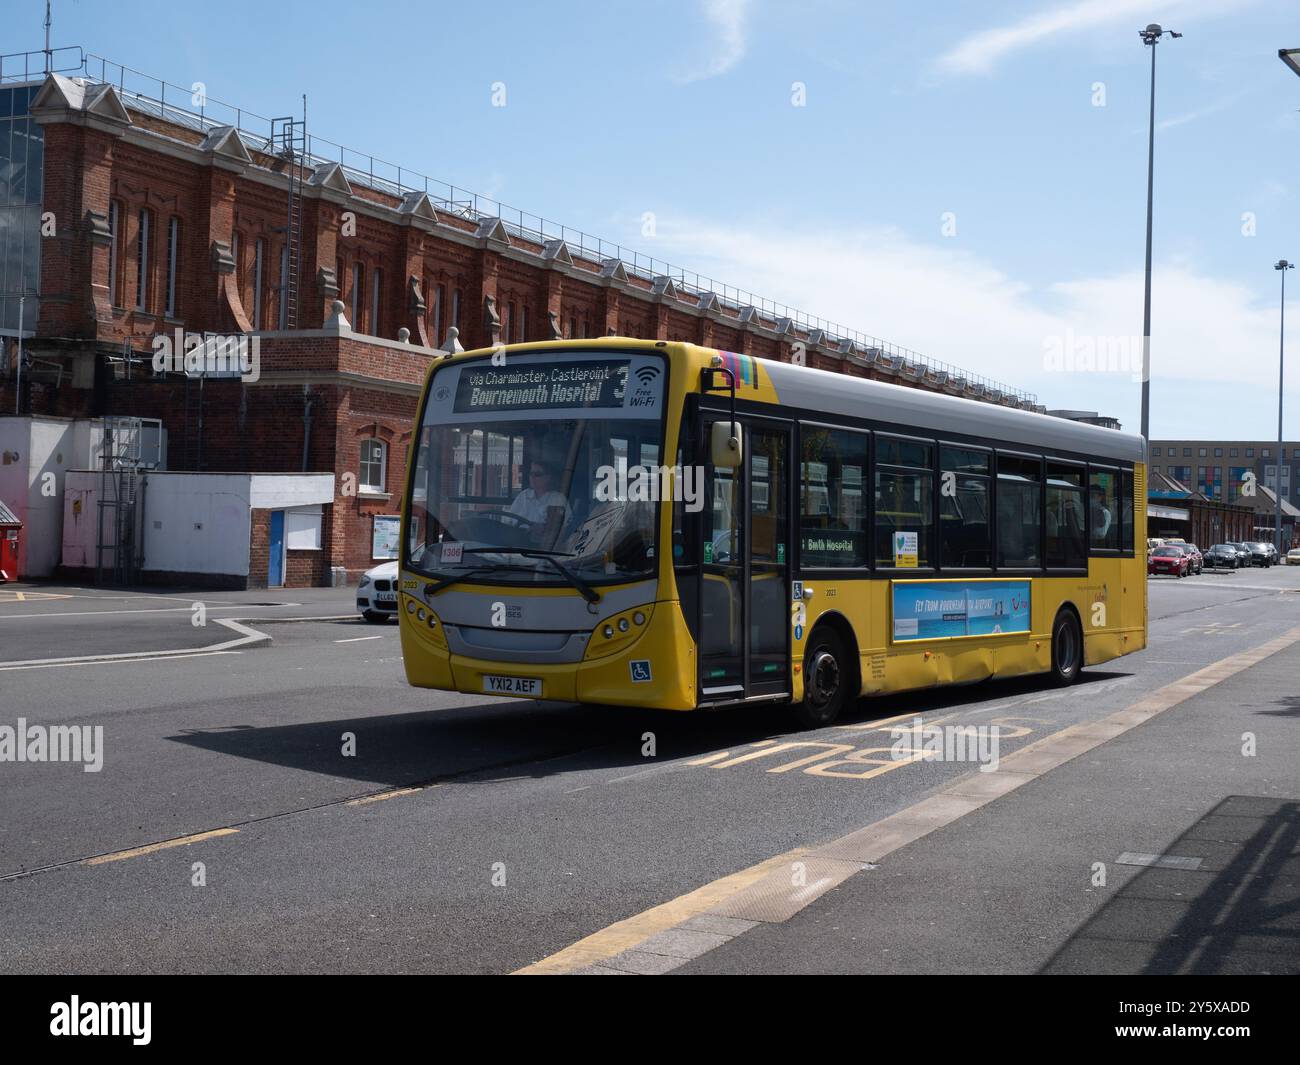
(195, 109)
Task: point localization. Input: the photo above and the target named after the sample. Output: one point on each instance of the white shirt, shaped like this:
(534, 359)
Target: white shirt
(534, 509)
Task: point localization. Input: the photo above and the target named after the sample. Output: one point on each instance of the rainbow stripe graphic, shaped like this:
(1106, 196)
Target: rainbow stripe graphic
(743, 366)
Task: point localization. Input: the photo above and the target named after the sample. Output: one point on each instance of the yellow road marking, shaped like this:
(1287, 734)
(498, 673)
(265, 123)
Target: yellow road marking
(872, 842)
(717, 756)
(636, 930)
(180, 841)
(386, 795)
(15, 596)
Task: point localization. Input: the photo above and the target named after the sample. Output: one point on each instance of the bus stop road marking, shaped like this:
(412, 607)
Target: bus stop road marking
(762, 893)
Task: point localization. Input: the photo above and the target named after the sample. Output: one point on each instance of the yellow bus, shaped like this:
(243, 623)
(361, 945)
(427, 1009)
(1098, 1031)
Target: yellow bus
(655, 524)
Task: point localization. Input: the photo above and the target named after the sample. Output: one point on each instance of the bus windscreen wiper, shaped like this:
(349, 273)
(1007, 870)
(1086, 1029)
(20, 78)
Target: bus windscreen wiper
(445, 580)
(553, 557)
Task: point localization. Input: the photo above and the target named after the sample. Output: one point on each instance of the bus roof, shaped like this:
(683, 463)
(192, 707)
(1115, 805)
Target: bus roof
(935, 414)
(930, 413)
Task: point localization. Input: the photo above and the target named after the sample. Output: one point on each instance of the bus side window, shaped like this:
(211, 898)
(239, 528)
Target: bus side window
(1020, 524)
(1065, 516)
(904, 497)
(1126, 509)
(1103, 509)
(965, 538)
(832, 517)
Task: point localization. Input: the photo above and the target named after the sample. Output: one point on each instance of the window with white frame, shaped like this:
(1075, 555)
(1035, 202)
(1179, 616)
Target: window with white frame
(374, 459)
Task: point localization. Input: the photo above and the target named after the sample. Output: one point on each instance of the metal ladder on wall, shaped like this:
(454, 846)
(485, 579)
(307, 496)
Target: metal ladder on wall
(289, 142)
(118, 527)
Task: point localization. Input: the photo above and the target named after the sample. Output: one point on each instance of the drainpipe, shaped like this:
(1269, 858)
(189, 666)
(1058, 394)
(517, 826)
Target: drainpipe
(307, 404)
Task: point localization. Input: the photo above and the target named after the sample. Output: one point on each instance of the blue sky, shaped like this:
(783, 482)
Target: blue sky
(986, 115)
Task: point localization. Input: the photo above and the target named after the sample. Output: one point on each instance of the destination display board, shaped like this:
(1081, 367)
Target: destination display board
(598, 383)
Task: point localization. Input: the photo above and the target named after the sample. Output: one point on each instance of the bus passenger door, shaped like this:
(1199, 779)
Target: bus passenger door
(744, 576)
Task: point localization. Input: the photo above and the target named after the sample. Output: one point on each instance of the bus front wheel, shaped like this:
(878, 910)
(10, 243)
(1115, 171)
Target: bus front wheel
(1067, 649)
(827, 679)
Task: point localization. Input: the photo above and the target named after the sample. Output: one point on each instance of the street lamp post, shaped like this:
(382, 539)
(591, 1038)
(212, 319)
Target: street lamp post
(1282, 266)
(1291, 57)
(1150, 37)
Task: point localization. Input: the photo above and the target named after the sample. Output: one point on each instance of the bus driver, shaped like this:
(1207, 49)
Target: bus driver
(546, 510)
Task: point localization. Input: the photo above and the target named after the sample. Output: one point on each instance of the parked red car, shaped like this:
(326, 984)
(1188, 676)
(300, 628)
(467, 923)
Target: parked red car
(1194, 552)
(1170, 558)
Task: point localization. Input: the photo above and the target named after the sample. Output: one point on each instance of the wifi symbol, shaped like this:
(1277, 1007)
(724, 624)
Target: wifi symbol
(647, 374)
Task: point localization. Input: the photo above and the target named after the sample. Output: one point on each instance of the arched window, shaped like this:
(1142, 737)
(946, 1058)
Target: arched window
(142, 260)
(439, 298)
(257, 284)
(354, 296)
(114, 250)
(173, 262)
(376, 293)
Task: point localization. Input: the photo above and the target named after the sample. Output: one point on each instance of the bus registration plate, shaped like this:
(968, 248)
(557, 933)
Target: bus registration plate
(496, 685)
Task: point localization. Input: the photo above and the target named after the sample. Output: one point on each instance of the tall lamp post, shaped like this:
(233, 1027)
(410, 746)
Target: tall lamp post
(1291, 57)
(1150, 37)
(1281, 266)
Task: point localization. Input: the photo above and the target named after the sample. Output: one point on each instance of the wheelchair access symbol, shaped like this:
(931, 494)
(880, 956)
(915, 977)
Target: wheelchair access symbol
(640, 670)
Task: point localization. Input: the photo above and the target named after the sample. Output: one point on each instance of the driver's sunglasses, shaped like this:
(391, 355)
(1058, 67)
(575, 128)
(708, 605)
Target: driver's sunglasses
(536, 473)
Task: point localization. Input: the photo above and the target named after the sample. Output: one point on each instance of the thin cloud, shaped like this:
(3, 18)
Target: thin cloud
(1214, 340)
(729, 20)
(1202, 112)
(981, 52)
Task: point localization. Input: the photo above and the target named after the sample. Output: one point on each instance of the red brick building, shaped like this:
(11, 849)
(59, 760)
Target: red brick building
(156, 219)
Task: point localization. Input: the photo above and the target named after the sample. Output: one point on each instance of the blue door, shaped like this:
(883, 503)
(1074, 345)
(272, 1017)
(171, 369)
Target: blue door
(275, 570)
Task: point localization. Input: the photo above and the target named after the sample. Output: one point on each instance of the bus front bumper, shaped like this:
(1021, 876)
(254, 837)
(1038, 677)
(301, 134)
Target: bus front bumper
(656, 670)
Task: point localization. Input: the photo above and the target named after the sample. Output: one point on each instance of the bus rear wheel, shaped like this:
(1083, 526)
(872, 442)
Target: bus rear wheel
(827, 679)
(1067, 649)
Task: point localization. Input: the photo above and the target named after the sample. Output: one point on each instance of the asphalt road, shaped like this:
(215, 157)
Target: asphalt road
(526, 826)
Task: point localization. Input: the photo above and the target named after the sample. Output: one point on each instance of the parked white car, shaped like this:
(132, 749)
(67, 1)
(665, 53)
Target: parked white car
(377, 593)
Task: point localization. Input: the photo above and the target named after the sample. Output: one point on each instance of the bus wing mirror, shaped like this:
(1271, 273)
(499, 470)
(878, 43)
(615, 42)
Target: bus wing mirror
(727, 445)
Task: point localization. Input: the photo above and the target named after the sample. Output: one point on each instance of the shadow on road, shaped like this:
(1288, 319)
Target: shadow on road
(1238, 913)
(496, 738)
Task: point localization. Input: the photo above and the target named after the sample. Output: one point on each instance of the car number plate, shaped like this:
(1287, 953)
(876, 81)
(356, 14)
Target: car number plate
(496, 685)
(385, 597)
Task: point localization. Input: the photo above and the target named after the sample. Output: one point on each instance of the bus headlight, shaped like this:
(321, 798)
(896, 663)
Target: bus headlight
(623, 626)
